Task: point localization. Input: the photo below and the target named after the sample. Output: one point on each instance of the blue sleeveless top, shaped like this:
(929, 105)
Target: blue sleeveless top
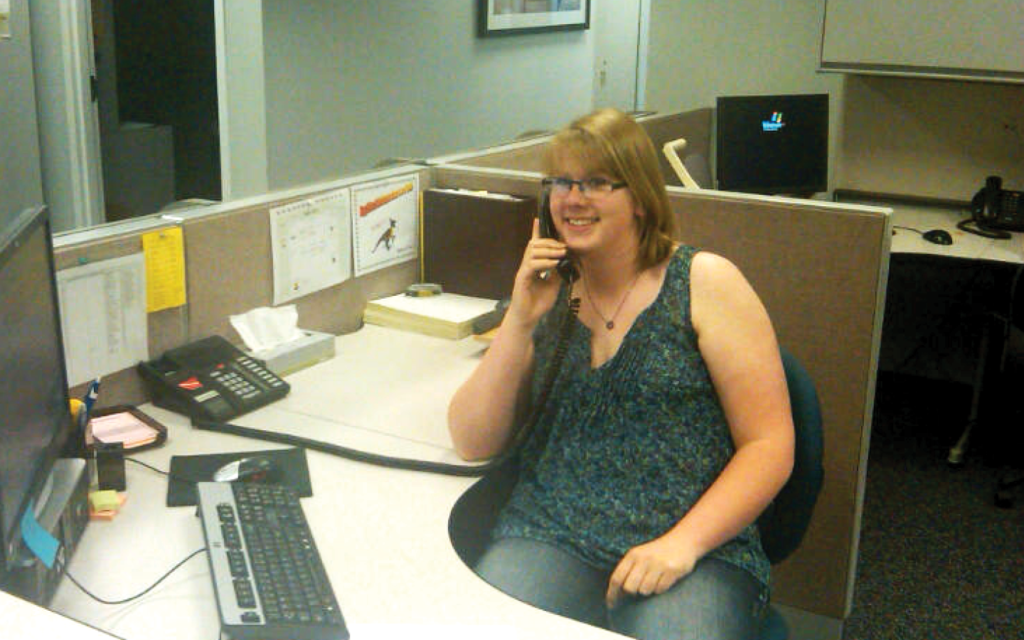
(621, 452)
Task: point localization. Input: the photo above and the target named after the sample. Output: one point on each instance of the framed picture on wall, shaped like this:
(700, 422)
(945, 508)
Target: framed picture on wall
(509, 17)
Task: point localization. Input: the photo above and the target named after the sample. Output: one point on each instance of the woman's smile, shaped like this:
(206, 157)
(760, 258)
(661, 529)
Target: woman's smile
(580, 221)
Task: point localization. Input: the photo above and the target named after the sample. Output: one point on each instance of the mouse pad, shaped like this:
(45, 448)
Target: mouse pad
(290, 469)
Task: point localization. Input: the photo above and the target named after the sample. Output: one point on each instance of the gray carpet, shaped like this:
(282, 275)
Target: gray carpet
(937, 558)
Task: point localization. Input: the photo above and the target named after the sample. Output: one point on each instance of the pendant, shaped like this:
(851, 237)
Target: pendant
(610, 325)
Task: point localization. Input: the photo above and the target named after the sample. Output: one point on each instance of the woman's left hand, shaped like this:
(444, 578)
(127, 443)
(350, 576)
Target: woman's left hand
(650, 568)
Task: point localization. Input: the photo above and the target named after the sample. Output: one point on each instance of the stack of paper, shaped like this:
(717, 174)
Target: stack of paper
(446, 315)
(124, 428)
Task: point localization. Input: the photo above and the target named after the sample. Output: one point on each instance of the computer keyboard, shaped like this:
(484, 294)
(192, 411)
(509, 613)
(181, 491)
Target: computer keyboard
(267, 573)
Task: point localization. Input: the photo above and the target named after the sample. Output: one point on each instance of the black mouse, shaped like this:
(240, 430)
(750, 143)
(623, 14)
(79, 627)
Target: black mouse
(252, 469)
(938, 236)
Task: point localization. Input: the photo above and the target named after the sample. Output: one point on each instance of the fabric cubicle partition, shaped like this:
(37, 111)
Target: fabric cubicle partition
(821, 270)
(694, 126)
(229, 270)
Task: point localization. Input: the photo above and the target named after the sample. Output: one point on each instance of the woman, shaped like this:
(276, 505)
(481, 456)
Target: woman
(668, 428)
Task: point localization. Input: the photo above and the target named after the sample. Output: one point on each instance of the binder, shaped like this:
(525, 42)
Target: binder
(473, 241)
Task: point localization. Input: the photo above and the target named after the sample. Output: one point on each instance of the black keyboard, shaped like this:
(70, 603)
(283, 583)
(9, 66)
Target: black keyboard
(266, 570)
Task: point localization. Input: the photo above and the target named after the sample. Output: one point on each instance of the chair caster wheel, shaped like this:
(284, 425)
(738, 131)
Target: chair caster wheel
(956, 457)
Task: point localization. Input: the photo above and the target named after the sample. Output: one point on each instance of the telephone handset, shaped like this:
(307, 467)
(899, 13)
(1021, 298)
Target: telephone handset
(996, 208)
(210, 379)
(565, 267)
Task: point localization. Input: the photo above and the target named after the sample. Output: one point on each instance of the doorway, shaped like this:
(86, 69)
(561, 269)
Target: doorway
(617, 47)
(156, 83)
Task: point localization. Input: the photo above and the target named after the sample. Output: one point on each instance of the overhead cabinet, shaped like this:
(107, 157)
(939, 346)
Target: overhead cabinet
(982, 39)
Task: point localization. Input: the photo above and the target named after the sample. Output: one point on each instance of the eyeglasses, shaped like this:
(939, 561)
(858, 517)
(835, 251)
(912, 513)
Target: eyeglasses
(589, 187)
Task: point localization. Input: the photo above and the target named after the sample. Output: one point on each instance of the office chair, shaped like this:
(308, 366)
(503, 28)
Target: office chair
(1011, 375)
(1003, 339)
(782, 525)
(784, 522)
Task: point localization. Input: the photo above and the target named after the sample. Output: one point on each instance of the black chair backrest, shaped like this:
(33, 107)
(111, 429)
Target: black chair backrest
(784, 522)
(476, 511)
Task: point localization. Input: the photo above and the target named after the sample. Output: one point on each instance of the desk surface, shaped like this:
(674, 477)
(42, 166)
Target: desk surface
(382, 533)
(965, 245)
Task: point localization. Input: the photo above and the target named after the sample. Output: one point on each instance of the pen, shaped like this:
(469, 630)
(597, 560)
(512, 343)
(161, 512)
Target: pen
(91, 394)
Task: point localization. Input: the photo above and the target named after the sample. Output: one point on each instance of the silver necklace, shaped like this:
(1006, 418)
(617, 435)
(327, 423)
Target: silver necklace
(609, 323)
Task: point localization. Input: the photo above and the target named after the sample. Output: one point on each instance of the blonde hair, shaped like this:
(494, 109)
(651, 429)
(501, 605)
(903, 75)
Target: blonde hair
(610, 142)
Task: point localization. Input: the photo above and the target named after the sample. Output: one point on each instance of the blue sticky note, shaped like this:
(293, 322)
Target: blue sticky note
(37, 539)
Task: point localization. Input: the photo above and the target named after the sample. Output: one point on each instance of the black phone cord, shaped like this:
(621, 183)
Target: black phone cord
(63, 569)
(464, 470)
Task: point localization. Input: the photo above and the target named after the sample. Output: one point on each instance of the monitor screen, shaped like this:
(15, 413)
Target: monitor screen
(772, 144)
(35, 422)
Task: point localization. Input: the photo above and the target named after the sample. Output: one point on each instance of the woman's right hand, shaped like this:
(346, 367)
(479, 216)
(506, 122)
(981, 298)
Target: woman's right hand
(483, 411)
(533, 293)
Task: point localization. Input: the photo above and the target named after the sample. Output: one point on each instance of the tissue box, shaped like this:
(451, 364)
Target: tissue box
(311, 348)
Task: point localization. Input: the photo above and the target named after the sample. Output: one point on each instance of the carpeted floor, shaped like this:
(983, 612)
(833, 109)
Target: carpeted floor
(937, 558)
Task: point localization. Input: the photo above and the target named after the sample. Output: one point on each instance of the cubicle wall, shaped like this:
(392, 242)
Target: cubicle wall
(229, 271)
(935, 139)
(821, 272)
(694, 126)
(820, 269)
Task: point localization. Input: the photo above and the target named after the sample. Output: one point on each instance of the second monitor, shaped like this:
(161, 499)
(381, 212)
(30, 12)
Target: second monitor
(772, 144)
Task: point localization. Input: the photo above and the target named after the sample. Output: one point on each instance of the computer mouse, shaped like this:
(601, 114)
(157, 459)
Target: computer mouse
(938, 236)
(251, 469)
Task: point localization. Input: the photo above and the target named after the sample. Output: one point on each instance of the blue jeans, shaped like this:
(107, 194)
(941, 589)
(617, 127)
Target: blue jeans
(717, 601)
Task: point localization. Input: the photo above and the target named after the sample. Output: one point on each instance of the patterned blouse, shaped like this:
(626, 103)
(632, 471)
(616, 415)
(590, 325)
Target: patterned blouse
(622, 451)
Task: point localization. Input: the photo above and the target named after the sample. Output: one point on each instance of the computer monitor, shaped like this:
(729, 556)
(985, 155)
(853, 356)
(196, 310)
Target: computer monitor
(772, 144)
(35, 422)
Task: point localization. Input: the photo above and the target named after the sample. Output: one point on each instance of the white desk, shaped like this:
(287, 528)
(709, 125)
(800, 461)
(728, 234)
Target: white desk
(382, 533)
(965, 245)
(21, 620)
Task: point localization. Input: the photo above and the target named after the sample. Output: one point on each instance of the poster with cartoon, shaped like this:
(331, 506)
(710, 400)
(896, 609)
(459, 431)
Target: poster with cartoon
(385, 223)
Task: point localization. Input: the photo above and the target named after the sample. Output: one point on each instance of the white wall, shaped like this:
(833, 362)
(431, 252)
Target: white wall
(241, 98)
(349, 84)
(20, 182)
(700, 50)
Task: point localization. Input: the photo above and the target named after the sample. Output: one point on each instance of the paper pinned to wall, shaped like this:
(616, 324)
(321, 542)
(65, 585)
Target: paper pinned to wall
(385, 223)
(311, 245)
(103, 316)
(5, 19)
(165, 268)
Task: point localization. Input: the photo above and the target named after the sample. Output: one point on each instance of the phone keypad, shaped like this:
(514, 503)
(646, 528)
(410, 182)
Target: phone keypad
(1010, 202)
(235, 383)
(259, 371)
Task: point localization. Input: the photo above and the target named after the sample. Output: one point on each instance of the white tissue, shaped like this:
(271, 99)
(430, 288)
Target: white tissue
(265, 327)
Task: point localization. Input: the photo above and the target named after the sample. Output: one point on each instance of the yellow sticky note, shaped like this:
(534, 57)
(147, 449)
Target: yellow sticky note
(164, 252)
(104, 500)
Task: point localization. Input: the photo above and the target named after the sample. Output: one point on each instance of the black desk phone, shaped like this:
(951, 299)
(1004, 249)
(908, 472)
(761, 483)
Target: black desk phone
(996, 208)
(210, 379)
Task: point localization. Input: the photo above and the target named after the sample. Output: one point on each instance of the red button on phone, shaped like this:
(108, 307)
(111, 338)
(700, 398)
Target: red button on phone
(191, 384)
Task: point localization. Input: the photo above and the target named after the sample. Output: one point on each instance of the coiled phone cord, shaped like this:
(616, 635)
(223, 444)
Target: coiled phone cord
(465, 470)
